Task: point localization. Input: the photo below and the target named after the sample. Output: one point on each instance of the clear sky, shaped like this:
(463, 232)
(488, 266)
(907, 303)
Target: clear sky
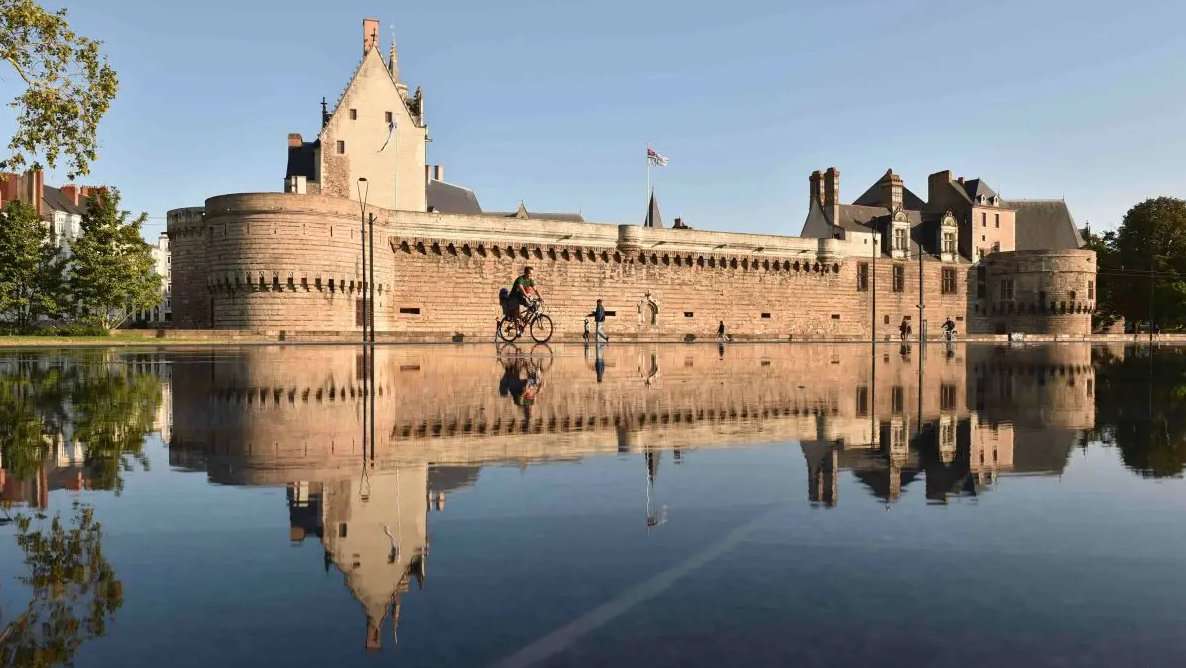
(553, 102)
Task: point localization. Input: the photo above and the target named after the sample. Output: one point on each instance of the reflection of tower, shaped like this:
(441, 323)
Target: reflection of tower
(822, 466)
(379, 543)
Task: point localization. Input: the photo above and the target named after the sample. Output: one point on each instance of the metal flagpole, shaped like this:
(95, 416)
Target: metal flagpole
(650, 188)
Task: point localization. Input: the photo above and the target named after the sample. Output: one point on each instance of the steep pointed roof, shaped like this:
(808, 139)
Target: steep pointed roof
(873, 196)
(978, 188)
(654, 218)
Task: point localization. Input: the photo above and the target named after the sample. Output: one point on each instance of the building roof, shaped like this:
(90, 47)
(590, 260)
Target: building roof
(55, 200)
(978, 188)
(1044, 224)
(873, 196)
(653, 218)
(302, 160)
(444, 197)
(523, 213)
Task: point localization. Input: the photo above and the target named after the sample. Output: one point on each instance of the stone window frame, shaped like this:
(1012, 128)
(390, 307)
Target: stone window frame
(340, 147)
(862, 277)
(899, 282)
(948, 284)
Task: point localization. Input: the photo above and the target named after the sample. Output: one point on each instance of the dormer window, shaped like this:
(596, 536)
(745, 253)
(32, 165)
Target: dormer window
(948, 238)
(899, 234)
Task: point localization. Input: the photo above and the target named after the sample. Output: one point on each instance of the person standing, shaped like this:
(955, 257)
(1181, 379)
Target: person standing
(598, 316)
(721, 335)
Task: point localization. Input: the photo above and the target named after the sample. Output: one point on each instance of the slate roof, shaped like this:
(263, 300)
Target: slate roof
(446, 197)
(977, 188)
(1044, 224)
(54, 199)
(873, 196)
(302, 160)
(653, 218)
(535, 215)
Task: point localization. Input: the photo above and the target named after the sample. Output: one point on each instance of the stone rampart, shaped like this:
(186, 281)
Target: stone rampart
(275, 261)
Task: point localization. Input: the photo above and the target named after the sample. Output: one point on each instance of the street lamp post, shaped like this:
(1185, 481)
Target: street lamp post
(363, 188)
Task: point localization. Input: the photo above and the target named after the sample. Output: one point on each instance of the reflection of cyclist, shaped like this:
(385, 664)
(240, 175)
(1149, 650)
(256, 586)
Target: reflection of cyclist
(521, 381)
(523, 292)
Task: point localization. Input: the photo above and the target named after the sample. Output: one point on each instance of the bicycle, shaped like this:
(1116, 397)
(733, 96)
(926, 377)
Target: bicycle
(537, 323)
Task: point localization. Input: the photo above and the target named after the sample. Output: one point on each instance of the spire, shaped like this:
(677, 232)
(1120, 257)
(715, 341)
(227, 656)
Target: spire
(393, 59)
(653, 219)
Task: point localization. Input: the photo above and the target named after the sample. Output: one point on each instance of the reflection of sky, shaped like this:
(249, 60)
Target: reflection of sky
(1058, 565)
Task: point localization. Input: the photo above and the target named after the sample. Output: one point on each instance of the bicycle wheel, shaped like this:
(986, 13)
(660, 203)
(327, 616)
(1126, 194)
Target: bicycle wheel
(507, 330)
(541, 328)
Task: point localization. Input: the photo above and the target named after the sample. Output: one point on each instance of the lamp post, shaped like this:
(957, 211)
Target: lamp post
(363, 188)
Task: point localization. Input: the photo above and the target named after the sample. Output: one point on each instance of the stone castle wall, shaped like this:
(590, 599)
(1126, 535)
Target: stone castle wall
(272, 261)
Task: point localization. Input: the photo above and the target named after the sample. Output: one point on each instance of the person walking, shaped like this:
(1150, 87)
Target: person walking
(598, 316)
(904, 329)
(722, 335)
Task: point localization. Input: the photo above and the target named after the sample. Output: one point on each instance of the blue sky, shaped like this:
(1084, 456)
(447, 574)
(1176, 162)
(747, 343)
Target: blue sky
(553, 103)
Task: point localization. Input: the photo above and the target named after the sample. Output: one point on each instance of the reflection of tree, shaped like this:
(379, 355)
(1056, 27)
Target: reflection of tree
(1139, 408)
(113, 414)
(74, 592)
(107, 408)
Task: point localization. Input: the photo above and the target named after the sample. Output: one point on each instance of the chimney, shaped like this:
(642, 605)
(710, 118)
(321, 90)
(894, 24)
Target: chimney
(370, 35)
(427, 173)
(891, 190)
(295, 140)
(832, 187)
(71, 193)
(35, 189)
(438, 173)
(960, 180)
(936, 183)
(816, 191)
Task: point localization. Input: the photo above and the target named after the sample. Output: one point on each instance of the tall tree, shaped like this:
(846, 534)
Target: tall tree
(30, 267)
(68, 87)
(112, 273)
(1152, 238)
(1108, 283)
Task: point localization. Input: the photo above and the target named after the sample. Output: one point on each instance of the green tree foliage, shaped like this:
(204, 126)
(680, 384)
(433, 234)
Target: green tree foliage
(1108, 280)
(1151, 238)
(68, 87)
(112, 273)
(75, 592)
(30, 268)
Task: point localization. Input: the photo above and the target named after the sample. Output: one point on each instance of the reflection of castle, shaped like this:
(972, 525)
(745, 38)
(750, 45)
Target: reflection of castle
(374, 530)
(957, 419)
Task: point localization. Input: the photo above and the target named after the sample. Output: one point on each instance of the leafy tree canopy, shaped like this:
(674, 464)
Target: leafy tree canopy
(30, 269)
(112, 273)
(68, 88)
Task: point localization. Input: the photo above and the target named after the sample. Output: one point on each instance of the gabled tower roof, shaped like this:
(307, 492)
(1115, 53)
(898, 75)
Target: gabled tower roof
(653, 217)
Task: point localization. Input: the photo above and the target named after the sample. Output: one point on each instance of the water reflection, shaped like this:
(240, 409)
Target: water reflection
(367, 449)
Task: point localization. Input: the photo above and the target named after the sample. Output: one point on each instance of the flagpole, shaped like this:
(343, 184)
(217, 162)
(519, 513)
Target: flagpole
(650, 188)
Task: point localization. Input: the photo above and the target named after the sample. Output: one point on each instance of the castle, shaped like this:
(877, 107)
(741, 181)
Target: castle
(291, 260)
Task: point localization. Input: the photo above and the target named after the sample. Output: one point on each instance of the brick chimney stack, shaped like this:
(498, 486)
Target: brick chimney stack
(891, 185)
(295, 140)
(817, 191)
(832, 187)
(370, 35)
(71, 193)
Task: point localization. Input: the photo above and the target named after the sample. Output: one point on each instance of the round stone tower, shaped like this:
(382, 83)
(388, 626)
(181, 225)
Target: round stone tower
(1037, 292)
(188, 238)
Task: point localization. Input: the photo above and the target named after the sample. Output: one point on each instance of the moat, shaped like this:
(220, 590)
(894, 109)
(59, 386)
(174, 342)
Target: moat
(658, 505)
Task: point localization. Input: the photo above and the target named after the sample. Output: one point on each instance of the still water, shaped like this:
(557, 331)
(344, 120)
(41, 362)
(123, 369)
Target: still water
(664, 505)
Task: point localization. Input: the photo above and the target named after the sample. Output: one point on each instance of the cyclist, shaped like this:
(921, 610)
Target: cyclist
(949, 329)
(523, 292)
